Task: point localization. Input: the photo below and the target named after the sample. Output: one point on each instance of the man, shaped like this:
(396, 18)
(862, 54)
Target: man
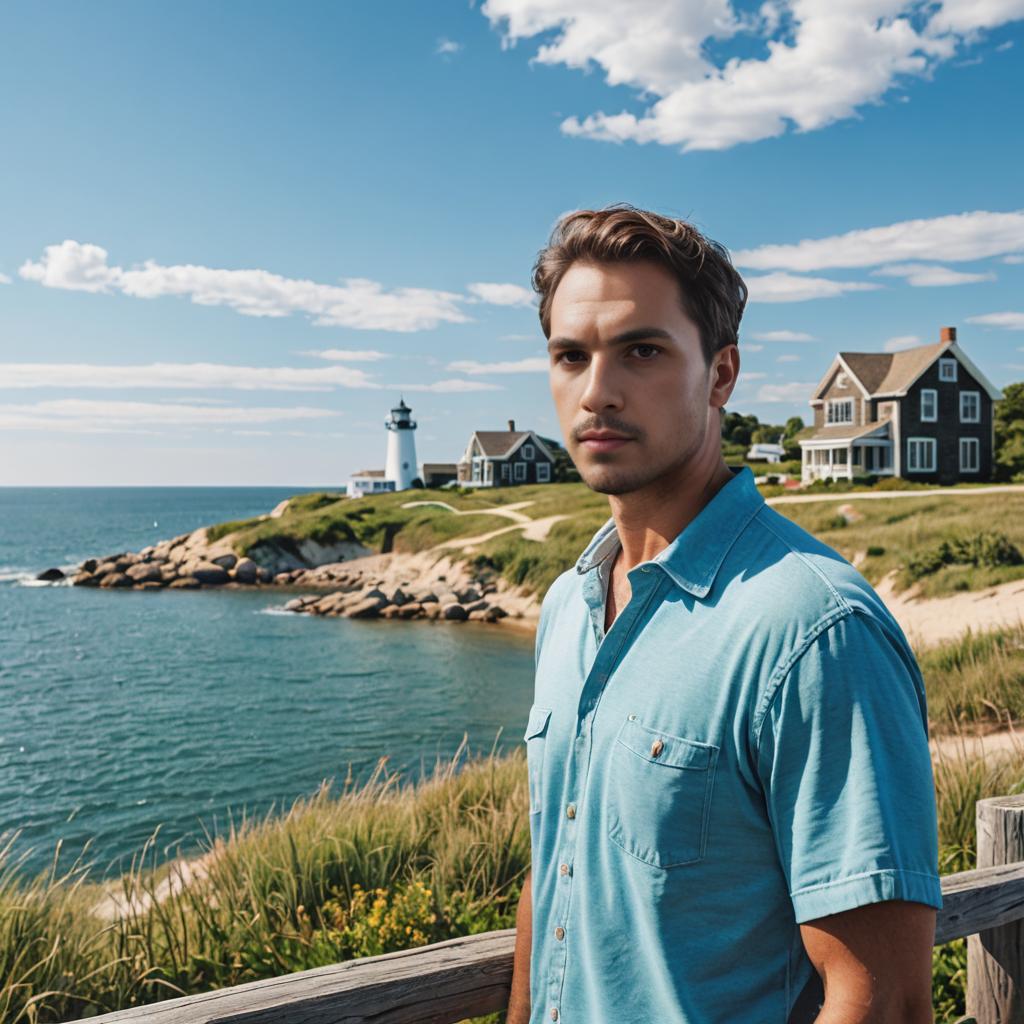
(732, 809)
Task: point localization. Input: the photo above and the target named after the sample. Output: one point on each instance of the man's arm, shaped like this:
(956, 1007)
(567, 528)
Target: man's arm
(875, 962)
(519, 1000)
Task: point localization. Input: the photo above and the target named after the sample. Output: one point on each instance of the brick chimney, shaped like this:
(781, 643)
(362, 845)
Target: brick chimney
(947, 335)
(512, 423)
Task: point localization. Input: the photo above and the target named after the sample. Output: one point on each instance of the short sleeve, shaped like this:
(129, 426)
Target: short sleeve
(847, 774)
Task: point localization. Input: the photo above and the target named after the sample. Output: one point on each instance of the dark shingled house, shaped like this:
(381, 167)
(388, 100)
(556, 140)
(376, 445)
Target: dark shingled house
(924, 413)
(503, 458)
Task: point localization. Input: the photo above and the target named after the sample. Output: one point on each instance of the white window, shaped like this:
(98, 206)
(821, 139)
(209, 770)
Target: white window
(543, 472)
(970, 455)
(505, 471)
(842, 381)
(528, 451)
(947, 369)
(520, 471)
(920, 454)
(970, 407)
(929, 405)
(840, 410)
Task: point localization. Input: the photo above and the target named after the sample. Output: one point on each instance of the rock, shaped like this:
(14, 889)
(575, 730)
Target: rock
(115, 579)
(168, 572)
(393, 611)
(468, 596)
(50, 575)
(105, 568)
(432, 611)
(453, 611)
(89, 565)
(427, 598)
(246, 571)
(478, 606)
(146, 553)
(480, 615)
(366, 609)
(488, 588)
(264, 575)
(209, 574)
(332, 604)
(496, 612)
(399, 596)
(294, 605)
(144, 572)
(85, 579)
(185, 583)
(227, 561)
(410, 610)
(150, 585)
(283, 578)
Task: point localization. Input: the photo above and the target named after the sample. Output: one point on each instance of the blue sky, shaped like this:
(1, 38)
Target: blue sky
(231, 234)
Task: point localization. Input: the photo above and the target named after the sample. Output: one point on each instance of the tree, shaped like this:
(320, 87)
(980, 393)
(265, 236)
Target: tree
(1008, 457)
(793, 426)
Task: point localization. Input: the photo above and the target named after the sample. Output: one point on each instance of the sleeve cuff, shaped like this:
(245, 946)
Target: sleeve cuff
(870, 887)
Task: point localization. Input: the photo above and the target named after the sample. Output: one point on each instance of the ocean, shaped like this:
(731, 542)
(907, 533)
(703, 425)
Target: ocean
(121, 711)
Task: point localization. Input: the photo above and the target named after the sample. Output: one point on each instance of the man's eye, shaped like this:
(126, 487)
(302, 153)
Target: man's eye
(564, 357)
(646, 351)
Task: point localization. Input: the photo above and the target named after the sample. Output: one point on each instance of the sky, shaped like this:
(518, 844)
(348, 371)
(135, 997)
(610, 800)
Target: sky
(232, 235)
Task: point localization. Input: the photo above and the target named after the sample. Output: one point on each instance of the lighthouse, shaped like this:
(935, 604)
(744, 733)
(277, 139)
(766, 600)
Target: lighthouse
(401, 461)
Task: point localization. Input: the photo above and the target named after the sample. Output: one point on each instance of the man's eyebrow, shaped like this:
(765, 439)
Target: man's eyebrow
(636, 334)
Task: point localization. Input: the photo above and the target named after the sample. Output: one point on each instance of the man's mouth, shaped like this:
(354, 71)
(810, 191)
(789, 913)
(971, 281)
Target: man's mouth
(602, 440)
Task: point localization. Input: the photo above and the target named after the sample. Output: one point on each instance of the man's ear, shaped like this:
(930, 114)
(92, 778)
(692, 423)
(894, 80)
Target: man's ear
(724, 371)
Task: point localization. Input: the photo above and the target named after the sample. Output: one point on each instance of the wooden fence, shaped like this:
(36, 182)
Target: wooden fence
(451, 981)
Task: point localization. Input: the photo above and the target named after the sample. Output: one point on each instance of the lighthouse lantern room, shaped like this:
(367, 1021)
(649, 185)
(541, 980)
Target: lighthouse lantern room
(401, 460)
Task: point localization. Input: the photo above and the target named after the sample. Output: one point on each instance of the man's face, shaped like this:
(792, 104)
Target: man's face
(628, 376)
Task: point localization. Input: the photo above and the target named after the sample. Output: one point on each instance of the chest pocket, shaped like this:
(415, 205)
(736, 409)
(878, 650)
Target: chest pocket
(535, 737)
(659, 795)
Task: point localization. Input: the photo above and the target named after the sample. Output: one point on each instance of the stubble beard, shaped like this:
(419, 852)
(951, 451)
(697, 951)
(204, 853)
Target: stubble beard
(613, 474)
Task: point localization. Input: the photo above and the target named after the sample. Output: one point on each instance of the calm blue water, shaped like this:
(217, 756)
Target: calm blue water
(122, 710)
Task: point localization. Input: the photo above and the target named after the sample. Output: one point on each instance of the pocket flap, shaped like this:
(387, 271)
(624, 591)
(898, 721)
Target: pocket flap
(538, 721)
(675, 750)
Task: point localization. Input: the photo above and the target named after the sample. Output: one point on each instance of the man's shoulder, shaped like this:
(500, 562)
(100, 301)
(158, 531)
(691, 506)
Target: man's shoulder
(792, 573)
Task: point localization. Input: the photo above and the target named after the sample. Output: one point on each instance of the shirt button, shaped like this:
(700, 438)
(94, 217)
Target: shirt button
(632, 718)
(656, 748)
(559, 933)
(554, 1013)
(644, 568)
(563, 869)
(570, 811)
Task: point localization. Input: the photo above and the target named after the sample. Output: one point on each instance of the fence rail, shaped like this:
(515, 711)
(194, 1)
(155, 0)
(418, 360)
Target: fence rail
(450, 981)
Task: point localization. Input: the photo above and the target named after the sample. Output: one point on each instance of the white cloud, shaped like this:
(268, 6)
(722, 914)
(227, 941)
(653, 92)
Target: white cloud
(1014, 258)
(792, 392)
(782, 336)
(954, 238)
(84, 416)
(538, 337)
(450, 386)
(501, 294)
(788, 359)
(750, 348)
(780, 287)
(537, 364)
(4, 279)
(930, 275)
(447, 47)
(1003, 47)
(357, 303)
(830, 59)
(344, 355)
(1007, 321)
(900, 342)
(182, 376)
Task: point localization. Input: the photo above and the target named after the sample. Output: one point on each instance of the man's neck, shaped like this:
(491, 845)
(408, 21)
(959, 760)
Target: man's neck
(648, 521)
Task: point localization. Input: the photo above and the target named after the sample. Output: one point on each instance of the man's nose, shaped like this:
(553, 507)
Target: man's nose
(602, 388)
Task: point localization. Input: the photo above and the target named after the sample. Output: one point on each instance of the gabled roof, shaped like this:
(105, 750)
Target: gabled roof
(894, 373)
(844, 432)
(500, 444)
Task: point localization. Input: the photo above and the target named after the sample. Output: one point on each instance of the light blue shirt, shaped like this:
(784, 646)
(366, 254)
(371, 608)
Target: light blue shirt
(745, 750)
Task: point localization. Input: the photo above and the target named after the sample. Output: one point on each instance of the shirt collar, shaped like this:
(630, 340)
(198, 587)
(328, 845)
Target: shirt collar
(693, 559)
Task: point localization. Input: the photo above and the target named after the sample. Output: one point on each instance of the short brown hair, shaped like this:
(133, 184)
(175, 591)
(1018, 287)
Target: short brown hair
(713, 293)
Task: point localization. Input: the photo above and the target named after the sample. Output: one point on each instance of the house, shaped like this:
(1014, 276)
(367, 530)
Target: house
(437, 474)
(368, 481)
(503, 458)
(923, 413)
(763, 452)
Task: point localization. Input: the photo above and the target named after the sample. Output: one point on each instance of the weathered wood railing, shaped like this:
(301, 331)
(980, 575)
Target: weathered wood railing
(451, 981)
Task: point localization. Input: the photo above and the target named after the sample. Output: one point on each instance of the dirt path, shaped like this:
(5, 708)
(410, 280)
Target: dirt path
(928, 621)
(533, 529)
(801, 499)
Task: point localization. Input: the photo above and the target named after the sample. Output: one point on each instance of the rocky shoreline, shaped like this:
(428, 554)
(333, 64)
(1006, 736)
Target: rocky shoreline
(425, 585)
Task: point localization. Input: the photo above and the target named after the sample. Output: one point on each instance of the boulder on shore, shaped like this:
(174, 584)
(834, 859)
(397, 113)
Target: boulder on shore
(366, 609)
(115, 579)
(246, 571)
(144, 572)
(209, 574)
(185, 583)
(50, 575)
(453, 612)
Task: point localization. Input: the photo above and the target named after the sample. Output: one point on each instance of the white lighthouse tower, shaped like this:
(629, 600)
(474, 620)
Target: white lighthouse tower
(401, 461)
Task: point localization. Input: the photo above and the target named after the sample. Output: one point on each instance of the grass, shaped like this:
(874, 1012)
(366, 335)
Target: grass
(349, 874)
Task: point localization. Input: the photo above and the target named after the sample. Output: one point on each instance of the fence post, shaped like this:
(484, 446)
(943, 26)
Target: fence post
(995, 957)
